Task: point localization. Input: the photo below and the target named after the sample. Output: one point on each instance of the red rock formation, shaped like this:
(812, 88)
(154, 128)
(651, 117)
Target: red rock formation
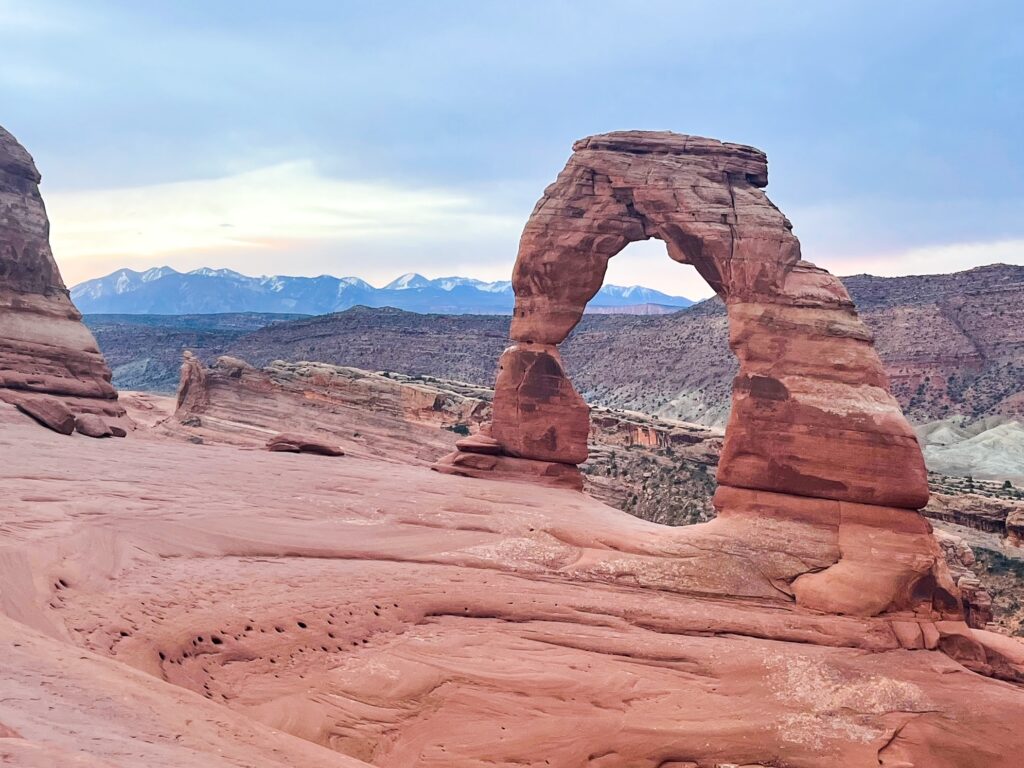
(289, 442)
(358, 412)
(48, 411)
(219, 606)
(984, 513)
(45, 350)
(537, 413)
(387, 415)
(812, 417)
(91, 425)
(976, 599)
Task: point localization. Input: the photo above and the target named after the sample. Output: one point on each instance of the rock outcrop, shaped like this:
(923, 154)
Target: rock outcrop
(289, 442)
(388, 415)
(976, 599)
(1004, 517)
(359, 413)
(814, 433)
(45, 350)
(220, 605)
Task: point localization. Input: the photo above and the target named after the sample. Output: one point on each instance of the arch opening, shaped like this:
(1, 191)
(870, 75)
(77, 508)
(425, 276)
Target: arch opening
(808, 373)
(647, 263)
(814, 437)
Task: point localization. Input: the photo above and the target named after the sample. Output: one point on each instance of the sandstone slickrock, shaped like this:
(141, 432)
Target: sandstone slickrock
(357, 412)
(44, 346)
(221, 610)
(404, 418)
(226, 607)
(812, 417)
(407, 418)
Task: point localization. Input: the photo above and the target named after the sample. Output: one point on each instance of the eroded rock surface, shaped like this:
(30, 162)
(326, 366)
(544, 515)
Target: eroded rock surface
(983, 513)
(45, 350)
(289, 442)
(410, 419)
(814, 432)
(358, 412)
(223, 606)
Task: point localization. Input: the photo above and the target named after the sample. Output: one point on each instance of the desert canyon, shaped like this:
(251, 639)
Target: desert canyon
(446, 587)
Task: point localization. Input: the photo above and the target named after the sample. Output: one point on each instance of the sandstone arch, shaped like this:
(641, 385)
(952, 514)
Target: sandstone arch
(814, 434)
(811, 415)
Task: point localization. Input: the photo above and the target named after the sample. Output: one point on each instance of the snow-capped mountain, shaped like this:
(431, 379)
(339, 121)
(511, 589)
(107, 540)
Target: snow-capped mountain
(406, 282)
(165, 291)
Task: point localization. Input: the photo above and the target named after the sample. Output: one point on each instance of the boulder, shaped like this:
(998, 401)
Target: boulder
(48, 411)
(91, 425)
(292, 443)
(44, 346)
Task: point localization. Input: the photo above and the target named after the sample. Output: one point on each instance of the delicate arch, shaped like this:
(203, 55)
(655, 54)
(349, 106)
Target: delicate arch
(811, 413)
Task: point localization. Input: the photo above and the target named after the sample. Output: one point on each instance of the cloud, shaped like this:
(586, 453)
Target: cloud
(889, 236)
(276, 211)
(291, 218)
(933, 259)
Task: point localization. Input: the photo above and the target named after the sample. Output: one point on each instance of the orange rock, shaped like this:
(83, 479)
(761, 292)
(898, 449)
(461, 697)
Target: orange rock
(48, 411)
(382, 614)
(537, 414)
(91, 425)
(292, 443)
(809, 375)
(44, 346)
(814, 433)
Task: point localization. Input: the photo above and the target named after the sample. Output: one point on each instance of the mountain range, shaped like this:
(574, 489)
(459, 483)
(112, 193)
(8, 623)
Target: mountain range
(165, 291)
(953, 346)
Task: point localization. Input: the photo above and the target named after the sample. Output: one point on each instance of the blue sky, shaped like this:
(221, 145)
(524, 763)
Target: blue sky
(379, 138)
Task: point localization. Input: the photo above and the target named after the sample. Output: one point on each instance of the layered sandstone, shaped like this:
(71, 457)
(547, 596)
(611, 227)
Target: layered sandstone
(360, 412)
(1004, 517)
(814, 433)
(216, 605)
(45, 350)
(406, 418)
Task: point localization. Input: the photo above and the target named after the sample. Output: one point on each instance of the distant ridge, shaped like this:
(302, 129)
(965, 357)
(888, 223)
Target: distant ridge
(166, 291)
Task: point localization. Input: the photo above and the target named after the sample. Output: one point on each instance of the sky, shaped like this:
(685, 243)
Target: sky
(373, 139)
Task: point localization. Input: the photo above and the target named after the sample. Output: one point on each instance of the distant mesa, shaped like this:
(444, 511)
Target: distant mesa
(50, 366)
(165, 291)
